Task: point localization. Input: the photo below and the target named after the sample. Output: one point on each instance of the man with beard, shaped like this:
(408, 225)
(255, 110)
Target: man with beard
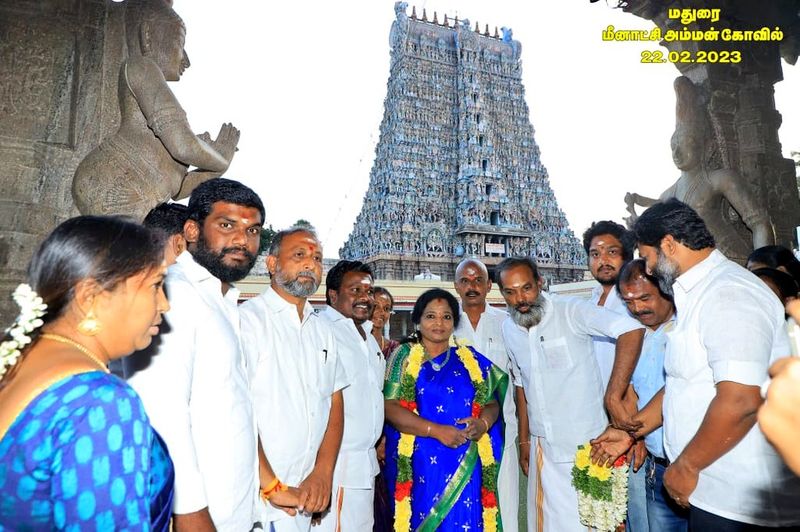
(730, 328)
(481, 326)
(609, 246)
(195, 388)
(297, 378)
(350, 300)
(557, 383)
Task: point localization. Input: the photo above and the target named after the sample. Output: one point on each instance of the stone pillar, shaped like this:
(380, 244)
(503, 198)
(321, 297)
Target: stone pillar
(59, 61)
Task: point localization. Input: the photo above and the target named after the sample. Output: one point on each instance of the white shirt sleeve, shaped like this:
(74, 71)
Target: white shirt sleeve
(586, 317)
(166, 388)
(341, 379)
(513, 366)
(738, 344)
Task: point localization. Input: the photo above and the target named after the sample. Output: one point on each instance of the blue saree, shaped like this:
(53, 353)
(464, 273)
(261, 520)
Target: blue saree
(446, 482)
(83, 456)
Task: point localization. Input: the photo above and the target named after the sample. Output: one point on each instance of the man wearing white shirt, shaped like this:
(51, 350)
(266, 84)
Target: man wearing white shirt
(296, 377)
(609, 246)
(350, 300)
(730, 328)
(481, 326)
(558, 388)
(195, 386)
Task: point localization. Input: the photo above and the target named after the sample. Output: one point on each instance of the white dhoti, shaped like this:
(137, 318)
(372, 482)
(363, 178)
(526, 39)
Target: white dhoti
(552, 501)
(508, 484)
(351, 511)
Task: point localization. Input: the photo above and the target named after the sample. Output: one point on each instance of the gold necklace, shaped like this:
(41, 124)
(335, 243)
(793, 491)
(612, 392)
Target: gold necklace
(80, 347)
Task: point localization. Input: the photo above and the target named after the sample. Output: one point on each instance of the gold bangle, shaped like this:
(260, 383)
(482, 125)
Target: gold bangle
(524, 442)
(485, 423)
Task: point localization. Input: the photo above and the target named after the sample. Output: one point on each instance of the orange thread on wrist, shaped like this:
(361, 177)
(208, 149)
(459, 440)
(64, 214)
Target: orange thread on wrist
(272, 488)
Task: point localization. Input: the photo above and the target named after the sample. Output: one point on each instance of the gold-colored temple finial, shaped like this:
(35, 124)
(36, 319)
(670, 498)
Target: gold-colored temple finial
(424, 15)
(477, 29)
(435, 18)
(413, 12)
(446, 22)
(496, 35)
(486, 31)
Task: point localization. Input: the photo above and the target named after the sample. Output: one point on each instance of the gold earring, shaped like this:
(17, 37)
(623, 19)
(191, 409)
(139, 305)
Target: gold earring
(90, 325)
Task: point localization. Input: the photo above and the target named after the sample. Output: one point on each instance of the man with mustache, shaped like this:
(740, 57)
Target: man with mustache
(481, 326)
(350, 300)
(296, 380)
(557, 384)
(609, 246)
(730, 328)
(654, 309)
(194, 386)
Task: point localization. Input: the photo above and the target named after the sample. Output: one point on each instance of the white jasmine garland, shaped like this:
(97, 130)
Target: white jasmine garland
(32, 308)
(602, 515)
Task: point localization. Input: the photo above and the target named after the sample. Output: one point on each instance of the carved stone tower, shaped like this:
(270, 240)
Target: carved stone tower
(457, 170)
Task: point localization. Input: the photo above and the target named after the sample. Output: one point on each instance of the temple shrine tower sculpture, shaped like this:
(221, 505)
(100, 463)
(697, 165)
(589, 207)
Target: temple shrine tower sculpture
(457, 171)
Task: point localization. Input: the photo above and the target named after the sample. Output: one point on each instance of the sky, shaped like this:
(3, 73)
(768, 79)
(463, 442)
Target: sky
(305, 82)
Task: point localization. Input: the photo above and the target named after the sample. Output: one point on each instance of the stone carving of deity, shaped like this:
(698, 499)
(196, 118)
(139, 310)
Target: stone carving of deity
(146, 161)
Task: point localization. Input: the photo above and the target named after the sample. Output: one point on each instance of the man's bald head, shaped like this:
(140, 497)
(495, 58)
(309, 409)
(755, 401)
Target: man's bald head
(471, 262)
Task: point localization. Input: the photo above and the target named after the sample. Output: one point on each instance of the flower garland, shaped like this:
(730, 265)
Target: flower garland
(32, 308)
(488, 463)
(405, 448)
(602, 490)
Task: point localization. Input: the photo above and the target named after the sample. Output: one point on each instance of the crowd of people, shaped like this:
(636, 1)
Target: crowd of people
(270, 415)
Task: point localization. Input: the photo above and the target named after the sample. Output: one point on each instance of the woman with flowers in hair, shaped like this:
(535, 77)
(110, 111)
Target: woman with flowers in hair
(76, 448)
(444, 442)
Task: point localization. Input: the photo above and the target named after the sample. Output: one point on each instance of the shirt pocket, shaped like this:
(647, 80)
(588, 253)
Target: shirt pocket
(677, 363)
(556, 355)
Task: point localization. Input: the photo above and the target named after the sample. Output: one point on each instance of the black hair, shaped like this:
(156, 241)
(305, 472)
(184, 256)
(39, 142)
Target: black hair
(107, 249)
(277, 239)
(220, 189)
(379, 290)
(333, 281)
(673, 217)
(512, 262)
(607, 227)
(635, 269)
(775, 257)
(786, 284)
(423, 300)
(167, 217)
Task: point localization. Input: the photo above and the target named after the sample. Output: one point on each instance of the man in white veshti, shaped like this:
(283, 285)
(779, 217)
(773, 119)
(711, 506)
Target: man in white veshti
(296, 380)
(349, 286)
(481, 327)
(558, 386)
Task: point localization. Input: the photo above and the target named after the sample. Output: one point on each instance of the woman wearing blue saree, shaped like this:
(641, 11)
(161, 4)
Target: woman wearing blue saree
(444, 442)
(77, 451)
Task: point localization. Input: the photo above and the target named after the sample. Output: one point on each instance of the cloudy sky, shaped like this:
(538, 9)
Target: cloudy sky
(305, 82)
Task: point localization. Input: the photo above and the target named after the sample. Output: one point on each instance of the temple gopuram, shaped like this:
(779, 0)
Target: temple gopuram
(457, 171)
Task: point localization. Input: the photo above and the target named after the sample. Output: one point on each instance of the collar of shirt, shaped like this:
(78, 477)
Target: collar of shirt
(488, 310)
(613, 300)
(276, 303)
(198, 274)
(335, 316)
(690, 278)
(664, 327)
